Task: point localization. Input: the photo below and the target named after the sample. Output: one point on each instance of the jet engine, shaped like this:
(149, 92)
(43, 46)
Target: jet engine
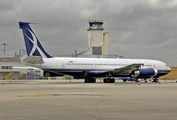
(147, 72)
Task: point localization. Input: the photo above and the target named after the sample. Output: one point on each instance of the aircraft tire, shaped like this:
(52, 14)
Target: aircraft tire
(113, 81)
(90, 80)
(155, 80)
(125, 80)
(86, 80)
(109, 80)
(93, 80)
(105, 80)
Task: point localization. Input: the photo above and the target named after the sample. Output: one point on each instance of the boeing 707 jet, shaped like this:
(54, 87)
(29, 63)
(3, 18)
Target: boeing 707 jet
(88, 68)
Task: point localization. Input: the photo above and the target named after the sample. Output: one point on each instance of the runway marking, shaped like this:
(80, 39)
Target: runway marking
(60, 95)
(36, 95)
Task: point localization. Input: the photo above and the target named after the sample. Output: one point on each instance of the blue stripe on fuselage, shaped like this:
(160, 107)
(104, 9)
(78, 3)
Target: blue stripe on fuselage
(92, 72)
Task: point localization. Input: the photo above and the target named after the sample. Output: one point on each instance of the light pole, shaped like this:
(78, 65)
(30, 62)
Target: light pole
(4, 46)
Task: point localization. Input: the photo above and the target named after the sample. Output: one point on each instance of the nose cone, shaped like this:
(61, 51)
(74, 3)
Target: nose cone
(169, 69)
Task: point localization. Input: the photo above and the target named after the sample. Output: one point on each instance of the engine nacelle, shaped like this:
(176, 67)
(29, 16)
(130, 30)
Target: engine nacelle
(51, 74)
(148, 72)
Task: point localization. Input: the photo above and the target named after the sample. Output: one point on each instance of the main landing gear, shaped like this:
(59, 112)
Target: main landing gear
(155, 80)
(93, 80)
(90, 80)
(109, 80)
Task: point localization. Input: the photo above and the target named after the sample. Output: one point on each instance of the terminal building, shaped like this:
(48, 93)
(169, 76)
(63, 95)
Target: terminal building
(6, 70)
(12, 68)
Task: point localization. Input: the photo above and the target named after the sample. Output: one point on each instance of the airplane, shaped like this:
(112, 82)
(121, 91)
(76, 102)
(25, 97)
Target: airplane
(88, 68)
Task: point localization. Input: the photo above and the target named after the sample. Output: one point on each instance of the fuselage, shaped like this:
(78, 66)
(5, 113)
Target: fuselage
(94, 66)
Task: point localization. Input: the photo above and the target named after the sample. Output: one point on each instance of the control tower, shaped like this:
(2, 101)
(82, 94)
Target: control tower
(97, 40)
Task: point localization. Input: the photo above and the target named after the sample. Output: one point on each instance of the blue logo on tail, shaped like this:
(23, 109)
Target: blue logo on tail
(33, 46)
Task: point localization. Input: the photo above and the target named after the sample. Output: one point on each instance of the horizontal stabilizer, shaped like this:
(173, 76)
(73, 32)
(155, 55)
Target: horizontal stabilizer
(34, 60)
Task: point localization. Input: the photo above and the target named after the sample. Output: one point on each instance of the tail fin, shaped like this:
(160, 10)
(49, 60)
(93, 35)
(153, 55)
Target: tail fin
(33, 46)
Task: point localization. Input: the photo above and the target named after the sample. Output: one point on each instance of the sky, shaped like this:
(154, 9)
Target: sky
(137, 28)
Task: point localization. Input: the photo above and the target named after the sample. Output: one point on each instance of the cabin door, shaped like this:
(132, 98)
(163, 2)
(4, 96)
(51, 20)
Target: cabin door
(63, 65)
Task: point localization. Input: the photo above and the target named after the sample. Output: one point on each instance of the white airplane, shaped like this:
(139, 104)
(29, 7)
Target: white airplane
(88, 68)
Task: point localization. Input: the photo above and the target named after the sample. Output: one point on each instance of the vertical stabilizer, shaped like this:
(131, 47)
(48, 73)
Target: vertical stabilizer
(33, 46)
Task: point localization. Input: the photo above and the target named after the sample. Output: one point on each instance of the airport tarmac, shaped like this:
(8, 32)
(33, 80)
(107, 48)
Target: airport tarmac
(76, 100)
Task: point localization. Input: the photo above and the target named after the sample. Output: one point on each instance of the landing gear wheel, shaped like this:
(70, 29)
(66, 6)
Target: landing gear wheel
(124, 80)
(90, 80)
(86, 80)
(109, 80)
(155, 80)
(105, 80)
(113, 80)
(93, 80)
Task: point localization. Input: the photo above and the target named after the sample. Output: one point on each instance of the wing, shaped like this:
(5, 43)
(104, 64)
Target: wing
(33, 60)
(123, 71)
(127, 70)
